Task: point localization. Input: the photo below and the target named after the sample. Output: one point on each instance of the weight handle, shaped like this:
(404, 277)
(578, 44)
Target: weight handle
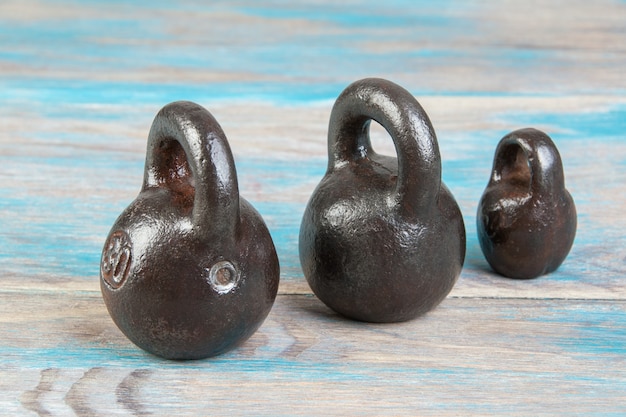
(419, 161)
(542, 157)
(215, 210)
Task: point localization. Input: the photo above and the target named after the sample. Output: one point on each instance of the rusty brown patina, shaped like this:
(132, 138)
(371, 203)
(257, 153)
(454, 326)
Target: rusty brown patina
(526, 217)
(189, 269)
(382, 238)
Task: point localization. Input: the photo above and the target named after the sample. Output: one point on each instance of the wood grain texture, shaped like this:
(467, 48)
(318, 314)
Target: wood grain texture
(483, 356)
(79, 85)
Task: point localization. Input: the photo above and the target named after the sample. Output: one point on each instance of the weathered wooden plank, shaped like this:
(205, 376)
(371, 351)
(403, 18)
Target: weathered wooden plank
(281, 50)
(61, 352)
(79, 85)
(94, 175)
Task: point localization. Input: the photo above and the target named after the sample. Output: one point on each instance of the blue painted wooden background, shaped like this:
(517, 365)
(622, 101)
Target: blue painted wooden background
(80, 82)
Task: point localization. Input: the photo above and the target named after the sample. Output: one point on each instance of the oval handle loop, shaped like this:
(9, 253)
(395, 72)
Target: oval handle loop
(206, 170)
(538, 164)
(419, 161)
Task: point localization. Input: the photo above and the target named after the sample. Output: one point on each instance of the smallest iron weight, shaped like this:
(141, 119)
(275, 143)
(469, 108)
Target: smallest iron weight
(526, 217)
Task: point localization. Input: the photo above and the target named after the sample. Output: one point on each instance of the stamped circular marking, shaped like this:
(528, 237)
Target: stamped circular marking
(116, 259)
(223, 277)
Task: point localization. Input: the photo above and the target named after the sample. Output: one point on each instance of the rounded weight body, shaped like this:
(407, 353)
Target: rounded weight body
(189, 269)
(526, 218)
(382, 239)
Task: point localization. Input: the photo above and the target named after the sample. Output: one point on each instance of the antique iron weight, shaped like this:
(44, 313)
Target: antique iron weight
(526, 217)
(382, 239)
(189, 269)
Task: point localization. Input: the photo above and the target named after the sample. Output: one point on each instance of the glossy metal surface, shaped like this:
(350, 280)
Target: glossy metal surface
(189, 269)
(526, 218)
(382, 239)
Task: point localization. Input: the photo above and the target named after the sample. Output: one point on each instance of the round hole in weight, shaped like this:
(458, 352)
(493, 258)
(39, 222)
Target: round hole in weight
(223, 276)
